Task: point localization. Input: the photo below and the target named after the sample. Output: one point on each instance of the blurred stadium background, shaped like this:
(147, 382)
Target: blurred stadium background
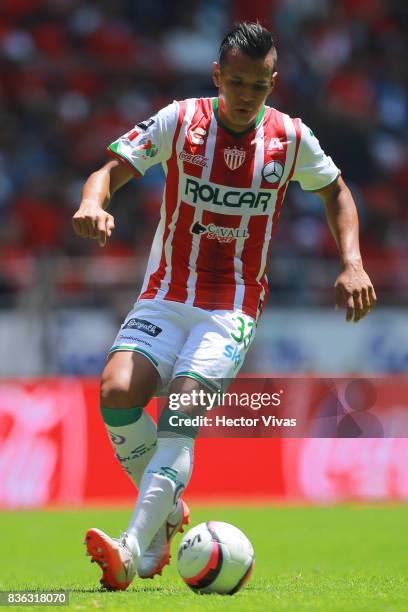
(76, 74)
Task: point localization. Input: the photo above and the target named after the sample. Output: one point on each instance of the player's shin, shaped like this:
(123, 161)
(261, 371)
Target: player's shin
(164, 480)
(133, 434)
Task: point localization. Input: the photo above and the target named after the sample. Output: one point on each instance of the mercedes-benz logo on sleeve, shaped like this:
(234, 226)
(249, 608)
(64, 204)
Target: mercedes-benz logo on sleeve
(272, 171)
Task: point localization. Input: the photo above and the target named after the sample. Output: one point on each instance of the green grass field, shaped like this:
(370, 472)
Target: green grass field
(307, 558)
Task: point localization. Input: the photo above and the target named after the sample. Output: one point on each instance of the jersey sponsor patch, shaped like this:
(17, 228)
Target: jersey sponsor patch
(146, 148)
(197, 135)
(144, 125)
(205, 193)
(234, 157)
(275, 145)
(217, 232)
(272, 171)
(133, 135)
(144, 326)
(197, 160)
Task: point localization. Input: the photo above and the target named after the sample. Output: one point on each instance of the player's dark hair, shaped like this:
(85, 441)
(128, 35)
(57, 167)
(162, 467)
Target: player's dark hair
(251, 38)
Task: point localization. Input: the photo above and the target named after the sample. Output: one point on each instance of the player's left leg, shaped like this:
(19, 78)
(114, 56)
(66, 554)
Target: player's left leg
(214, 349)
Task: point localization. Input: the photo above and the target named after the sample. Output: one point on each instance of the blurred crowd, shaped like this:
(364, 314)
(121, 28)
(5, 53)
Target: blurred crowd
(75, 74)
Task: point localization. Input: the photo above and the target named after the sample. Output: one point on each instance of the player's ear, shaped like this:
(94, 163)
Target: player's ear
(216, 74)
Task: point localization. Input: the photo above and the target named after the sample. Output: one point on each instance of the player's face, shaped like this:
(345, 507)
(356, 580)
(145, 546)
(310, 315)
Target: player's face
(243, 85)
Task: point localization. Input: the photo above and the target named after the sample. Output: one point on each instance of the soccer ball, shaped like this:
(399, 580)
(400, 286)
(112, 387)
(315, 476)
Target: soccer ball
(215, 557)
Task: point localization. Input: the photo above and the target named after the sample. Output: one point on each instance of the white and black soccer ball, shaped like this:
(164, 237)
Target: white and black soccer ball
(215, 557)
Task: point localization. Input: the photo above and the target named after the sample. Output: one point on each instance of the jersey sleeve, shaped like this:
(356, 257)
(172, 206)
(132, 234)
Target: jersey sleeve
(149, 142)
(313, 168)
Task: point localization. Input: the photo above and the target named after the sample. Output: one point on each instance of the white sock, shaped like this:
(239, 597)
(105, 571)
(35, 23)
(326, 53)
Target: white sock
(134, 443)
(163, 481)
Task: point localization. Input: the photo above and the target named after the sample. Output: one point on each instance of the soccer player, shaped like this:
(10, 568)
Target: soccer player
(228, 161)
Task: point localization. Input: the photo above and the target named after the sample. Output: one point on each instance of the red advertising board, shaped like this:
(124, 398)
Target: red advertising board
(54, 450)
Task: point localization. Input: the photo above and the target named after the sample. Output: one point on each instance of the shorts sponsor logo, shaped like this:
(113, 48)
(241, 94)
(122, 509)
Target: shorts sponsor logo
(216, 232)
(197, 160)
(234, 157)
(144, 326)
(272, 171)
(132, 339)
(203, 193)
(233, 353)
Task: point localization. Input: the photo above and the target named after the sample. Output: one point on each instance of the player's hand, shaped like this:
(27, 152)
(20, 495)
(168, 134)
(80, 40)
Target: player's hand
(354, 291)
(91, 221)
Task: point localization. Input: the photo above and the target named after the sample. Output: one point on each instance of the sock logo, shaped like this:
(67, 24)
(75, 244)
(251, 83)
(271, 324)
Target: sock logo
(141, 450)
(144, 326)
(116, 439)
(169, 472)
(136, 453)
(177, 493)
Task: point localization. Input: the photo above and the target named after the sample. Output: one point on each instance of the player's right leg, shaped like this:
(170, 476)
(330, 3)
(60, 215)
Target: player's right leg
(142, 358)
(128, 382)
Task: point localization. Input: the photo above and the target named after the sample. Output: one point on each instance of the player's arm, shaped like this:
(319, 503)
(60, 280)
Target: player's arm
(354, 289)
(91, 219)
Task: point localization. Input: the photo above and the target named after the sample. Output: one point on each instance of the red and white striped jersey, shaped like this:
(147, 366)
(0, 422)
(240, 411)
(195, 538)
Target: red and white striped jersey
(222, 199)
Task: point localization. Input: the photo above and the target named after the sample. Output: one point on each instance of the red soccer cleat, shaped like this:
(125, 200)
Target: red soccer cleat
(114, 558)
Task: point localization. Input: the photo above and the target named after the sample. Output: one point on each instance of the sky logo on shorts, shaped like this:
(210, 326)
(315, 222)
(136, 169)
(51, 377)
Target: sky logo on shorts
(233, 353)
(144, 326)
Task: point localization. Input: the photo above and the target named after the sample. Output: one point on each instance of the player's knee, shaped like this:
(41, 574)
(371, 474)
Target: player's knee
(118, 392)
(114, 393)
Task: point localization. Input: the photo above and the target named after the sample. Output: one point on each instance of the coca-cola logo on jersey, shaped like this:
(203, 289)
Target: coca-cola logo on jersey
(197, 160)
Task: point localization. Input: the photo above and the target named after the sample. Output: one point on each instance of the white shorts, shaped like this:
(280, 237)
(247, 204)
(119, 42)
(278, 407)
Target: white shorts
(182, 340)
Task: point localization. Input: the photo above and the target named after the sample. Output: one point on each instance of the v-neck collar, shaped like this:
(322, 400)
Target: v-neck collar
(228, 130)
